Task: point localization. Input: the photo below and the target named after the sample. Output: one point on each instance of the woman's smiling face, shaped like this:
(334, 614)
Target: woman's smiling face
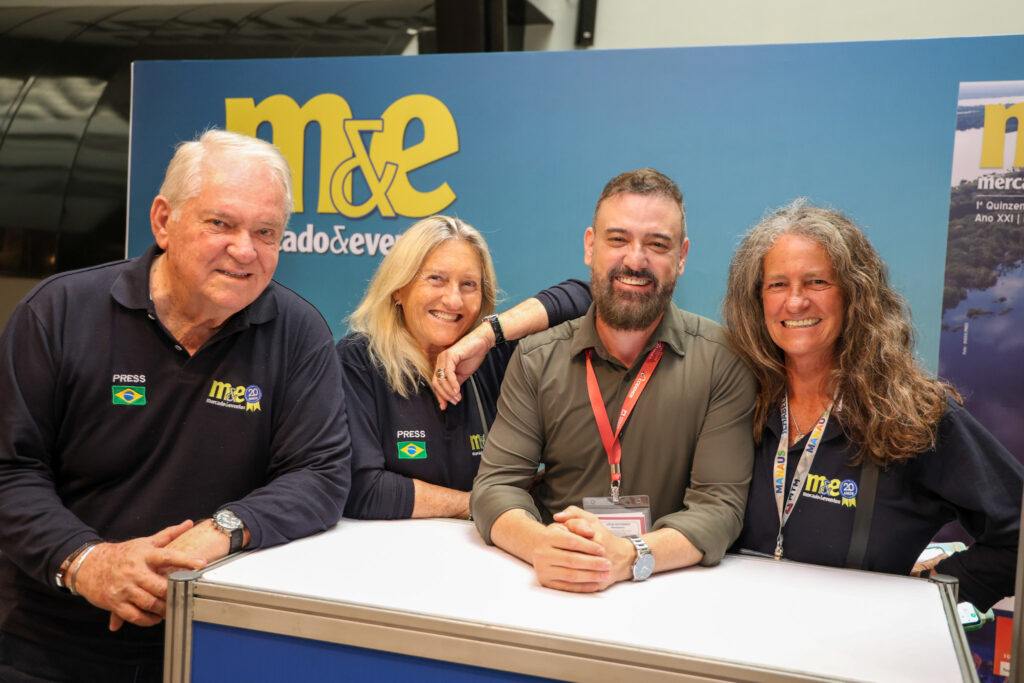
(442, 302)
(803, 302)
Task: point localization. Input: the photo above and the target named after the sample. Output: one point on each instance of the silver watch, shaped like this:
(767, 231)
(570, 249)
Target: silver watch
(229, 523)
(643, 567)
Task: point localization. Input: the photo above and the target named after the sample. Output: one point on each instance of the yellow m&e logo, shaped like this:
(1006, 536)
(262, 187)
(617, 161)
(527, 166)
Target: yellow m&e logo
(384, 166)
(993, 138)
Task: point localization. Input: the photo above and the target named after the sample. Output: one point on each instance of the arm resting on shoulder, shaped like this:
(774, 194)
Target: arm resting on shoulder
(549, 307)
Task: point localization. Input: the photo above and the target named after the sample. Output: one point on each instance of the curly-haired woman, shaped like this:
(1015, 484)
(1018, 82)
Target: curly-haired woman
(863, 455)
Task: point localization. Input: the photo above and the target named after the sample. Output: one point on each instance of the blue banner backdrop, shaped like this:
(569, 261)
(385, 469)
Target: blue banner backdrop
(520, 145)
(982, 338)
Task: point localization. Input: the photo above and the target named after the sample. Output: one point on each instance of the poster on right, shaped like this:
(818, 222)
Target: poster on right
(981, 348)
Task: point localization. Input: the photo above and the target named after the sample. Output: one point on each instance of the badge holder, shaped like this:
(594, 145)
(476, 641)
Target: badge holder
(630, 516)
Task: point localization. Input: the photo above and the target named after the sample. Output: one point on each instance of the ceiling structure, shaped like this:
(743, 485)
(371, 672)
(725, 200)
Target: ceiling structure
(301, 29)
(65, 83)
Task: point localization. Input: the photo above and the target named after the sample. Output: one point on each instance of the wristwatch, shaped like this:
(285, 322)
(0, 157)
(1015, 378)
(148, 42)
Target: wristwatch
(499, 335)
(228, 522)
(643, 567)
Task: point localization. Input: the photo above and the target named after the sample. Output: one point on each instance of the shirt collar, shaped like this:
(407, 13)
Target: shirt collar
(672, 330)
(131, 290)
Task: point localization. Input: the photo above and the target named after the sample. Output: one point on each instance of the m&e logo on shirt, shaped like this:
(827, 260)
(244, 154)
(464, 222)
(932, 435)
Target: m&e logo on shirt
(128, 396)
(412, 450)
(836, 491)
(228, 395)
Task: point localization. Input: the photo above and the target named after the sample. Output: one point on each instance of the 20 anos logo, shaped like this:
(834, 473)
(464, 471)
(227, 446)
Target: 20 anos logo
(383, 166)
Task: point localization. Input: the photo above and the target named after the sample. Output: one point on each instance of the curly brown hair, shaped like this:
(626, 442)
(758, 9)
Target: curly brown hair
(889, 405)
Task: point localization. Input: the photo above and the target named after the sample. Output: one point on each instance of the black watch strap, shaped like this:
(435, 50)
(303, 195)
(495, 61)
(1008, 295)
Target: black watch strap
(499, 335)
(237, 538)
(229, 523)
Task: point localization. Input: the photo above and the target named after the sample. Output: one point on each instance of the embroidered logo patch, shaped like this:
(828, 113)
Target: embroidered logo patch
(253, 394)
(848, 489)
(412, 450)
(837, 491)
(239, 397)
(128, 396)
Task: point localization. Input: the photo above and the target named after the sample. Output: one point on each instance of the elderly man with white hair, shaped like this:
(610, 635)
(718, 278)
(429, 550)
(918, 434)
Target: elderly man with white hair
(160, 413)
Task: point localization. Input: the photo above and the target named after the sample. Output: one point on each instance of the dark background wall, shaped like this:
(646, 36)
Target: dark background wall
(65, 85)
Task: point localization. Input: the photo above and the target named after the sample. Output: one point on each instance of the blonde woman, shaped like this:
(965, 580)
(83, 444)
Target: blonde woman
(415, 453)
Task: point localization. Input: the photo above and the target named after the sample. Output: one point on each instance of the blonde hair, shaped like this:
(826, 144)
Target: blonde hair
(377, 317)
(890, 407)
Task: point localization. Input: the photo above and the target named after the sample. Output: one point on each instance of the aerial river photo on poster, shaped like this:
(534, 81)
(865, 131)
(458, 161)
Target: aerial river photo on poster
(981, 349)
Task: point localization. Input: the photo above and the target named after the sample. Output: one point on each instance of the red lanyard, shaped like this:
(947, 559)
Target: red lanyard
(612, 445)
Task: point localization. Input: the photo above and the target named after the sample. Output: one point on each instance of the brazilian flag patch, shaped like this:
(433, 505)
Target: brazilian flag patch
(412, 450)
(128, 396)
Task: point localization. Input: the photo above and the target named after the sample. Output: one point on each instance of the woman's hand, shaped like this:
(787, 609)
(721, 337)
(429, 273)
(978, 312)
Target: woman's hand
(455, 364)
(925, 568)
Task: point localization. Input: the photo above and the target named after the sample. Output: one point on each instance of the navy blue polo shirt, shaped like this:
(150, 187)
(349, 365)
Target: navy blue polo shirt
(968, 476)
(113, 431)
(396, 440)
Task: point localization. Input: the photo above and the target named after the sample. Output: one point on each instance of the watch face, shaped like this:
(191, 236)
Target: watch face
(227, 520)
(644, 567)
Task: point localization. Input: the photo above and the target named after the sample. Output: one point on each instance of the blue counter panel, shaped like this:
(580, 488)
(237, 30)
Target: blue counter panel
(223, 653)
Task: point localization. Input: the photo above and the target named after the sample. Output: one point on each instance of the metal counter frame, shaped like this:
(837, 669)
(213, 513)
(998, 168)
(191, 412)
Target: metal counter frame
(191, 598)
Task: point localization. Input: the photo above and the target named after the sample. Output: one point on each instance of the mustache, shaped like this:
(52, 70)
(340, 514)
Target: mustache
(629, 272)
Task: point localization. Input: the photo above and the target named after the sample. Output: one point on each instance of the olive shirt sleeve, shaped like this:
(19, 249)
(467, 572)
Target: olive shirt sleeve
(377, 493)
(506, 469)
(988, 505)
(705, 412)
(723, 458)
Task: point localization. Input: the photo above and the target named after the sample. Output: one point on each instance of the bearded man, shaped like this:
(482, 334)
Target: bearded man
(639, 413)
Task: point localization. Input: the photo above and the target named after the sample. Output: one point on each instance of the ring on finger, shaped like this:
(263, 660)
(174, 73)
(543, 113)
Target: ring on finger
(440, 373)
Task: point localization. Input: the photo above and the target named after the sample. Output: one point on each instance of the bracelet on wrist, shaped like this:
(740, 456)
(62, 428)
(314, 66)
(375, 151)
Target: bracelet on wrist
(81, 559)
(61, 577)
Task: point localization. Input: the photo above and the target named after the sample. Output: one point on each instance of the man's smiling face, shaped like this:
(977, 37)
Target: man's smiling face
(221, 246)
(636, 253)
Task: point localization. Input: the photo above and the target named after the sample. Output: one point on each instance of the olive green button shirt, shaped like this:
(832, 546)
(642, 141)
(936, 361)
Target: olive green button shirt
(688, 442)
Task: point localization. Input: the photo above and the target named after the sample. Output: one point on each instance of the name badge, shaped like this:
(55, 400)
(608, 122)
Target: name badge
(631, 516)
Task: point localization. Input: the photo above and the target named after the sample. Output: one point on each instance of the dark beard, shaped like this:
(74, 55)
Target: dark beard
(629, 310)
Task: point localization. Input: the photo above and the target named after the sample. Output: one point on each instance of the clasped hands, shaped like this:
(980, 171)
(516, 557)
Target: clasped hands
(129, 579)
(578, 553)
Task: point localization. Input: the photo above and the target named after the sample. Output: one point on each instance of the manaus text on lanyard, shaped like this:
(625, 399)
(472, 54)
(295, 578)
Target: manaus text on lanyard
(779, 476)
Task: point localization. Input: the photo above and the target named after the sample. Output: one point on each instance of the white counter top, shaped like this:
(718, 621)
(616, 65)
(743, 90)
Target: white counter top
(780, 615)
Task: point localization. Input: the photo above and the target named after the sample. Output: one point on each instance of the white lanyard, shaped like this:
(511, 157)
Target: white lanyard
(781, 454)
